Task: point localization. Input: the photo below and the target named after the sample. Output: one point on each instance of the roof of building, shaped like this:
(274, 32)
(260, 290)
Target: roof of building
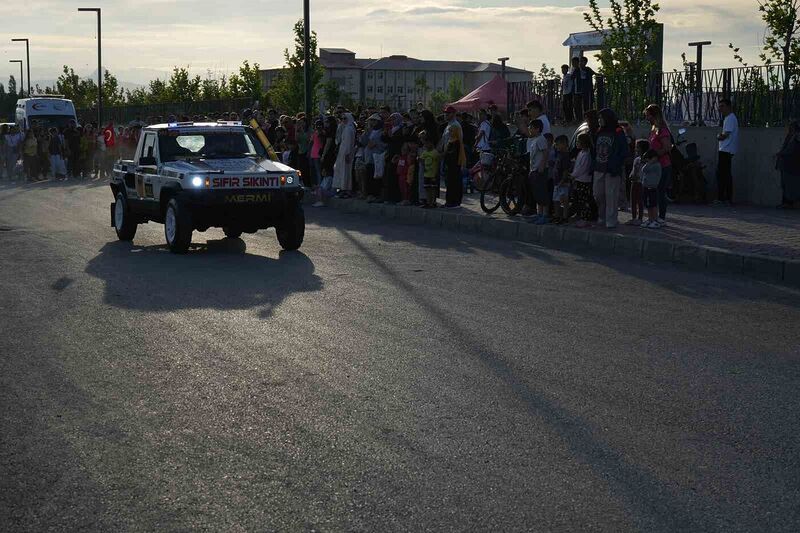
(410, 63)
(344, 58)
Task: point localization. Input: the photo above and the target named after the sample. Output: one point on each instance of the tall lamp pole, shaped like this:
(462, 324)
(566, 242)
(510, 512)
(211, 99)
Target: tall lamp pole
(307, 57)
(99, 66)
(27, 60)
(21, 80)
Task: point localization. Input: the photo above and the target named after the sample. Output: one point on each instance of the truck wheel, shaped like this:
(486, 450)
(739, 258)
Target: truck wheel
(231, 233)
(292, 228)
(124, 224)
(177, 227)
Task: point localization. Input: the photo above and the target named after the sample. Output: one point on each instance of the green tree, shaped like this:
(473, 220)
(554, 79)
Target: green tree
(455, 90)
(421, 87)
(12, 86)
(138, 96)
(331, 93)
(439, 99)
(288, 90)
(249, 81)
(626, 58)
(181, 87)
(545, 73)
(113, 94)
(780, 40)
(82, 91)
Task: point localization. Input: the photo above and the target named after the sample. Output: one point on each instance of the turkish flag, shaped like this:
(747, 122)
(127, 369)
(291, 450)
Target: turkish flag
(109, 136)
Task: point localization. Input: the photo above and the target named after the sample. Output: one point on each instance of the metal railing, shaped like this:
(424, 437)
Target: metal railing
(761, 95)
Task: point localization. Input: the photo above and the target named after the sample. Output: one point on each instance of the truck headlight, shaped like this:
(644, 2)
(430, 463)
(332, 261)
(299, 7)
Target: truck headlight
(197, 181)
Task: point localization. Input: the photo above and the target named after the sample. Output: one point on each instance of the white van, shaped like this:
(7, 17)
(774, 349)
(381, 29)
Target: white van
(44, 110)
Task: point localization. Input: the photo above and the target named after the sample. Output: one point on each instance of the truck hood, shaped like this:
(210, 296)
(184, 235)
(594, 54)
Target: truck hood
(242, 165)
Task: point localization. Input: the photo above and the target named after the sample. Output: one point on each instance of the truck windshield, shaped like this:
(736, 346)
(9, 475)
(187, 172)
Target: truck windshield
(175, 145)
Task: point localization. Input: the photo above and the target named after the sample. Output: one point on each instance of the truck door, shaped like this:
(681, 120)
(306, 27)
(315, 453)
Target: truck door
(147, 168)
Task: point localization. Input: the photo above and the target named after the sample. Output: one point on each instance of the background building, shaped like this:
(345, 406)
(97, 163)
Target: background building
(398, 80)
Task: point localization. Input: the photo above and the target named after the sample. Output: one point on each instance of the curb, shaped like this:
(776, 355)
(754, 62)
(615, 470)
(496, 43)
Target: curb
(690, 256)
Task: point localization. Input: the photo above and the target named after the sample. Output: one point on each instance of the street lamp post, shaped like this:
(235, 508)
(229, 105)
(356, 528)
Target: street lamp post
(21, 80)
(27, 60)
(99, 66)
(699, 81)
(307, 58)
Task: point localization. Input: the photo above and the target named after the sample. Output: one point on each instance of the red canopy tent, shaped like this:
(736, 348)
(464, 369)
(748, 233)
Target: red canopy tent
(493, 91)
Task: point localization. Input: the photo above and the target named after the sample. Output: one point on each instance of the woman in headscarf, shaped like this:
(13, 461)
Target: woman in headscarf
(394, 144)
(343, 167)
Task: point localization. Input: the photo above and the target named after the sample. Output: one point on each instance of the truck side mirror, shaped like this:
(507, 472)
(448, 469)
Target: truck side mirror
(148, 162)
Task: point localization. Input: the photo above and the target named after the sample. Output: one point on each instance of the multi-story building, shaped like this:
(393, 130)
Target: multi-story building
(400, 81)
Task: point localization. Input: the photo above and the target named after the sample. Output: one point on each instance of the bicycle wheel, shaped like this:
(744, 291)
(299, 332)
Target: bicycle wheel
(511, 200)
(490, 197)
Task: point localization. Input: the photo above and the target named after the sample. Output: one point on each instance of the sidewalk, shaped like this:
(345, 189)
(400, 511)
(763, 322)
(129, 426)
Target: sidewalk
(759, 242)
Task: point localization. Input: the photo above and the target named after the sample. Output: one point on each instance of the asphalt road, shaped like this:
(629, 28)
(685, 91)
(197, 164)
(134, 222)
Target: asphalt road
(386, 378)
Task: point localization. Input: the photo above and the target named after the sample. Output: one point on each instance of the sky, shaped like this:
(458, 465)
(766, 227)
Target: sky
(144, 39)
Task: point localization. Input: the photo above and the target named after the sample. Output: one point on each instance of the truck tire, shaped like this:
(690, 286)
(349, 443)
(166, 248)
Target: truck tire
(231, 233)
(177, 227)
(124, 223)
(292, 228)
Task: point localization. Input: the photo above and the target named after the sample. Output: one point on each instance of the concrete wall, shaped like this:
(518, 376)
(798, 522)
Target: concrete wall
(755, 180)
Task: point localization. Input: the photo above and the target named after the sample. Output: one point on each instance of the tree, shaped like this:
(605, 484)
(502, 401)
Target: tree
(455, 90)
(626, 58)
(288, 90)
(113, 94)
(421, 86)
(439, 99)
(249, 81)
(331, 93)
(780, 40)
(181, 87)
(12, 85)
(545, 73)
(157, 92)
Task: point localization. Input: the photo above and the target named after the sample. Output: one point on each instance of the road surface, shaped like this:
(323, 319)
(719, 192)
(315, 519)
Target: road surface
(385, 378)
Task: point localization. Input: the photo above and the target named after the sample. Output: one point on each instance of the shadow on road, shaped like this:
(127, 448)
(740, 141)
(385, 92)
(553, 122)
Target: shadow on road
(219, 274)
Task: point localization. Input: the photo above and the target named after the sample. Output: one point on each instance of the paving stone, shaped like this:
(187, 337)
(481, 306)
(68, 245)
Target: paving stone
(658, 251)
(403, 212)
(552, 236)
(763, 268)
(602, 240)
(628, 246)
(469, 223)
(724, 262)
(529, 232)
(575, 237)
(497, 227)
(449, 219)
(690, 256)
(433, 217)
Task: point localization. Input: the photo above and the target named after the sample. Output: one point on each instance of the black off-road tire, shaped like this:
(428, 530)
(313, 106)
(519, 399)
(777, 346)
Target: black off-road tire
(179, 235)
(292, 228)
(124, 223)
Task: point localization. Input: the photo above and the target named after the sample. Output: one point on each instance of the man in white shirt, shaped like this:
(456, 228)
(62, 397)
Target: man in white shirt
(728, 146)
(484, 131)
(536, 112)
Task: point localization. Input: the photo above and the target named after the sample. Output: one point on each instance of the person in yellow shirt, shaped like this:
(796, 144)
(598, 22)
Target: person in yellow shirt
(29, 148)
(430, 161)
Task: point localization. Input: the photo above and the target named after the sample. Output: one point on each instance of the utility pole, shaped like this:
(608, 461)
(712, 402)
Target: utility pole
(307, 58)
(699, 82)
(502, 61)
(27, 60)
(21, 81)
(99, 66)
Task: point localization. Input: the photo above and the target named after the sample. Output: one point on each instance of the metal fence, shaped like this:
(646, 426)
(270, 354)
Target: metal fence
(761, 95)
(127, 113)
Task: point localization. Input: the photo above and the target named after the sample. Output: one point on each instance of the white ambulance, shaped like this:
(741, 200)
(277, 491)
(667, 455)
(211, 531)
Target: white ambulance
(45, 110)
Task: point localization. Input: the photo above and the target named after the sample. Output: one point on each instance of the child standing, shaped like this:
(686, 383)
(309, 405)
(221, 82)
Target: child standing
(404, 168)
(430, 162)
(637, 209)
(561, 179)
(538, 189)
(582, 176)
(651, 175)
